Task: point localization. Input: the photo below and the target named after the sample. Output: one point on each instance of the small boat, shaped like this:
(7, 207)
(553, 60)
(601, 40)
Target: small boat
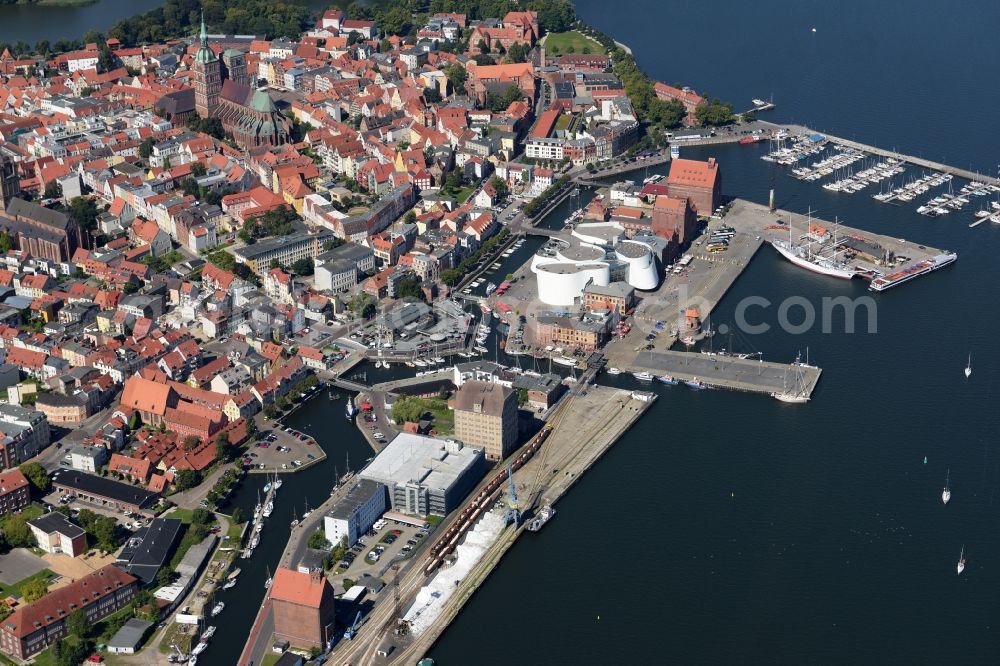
(695, 384)
(564, 360)
(643, 376)
(258, 527)
(218, 608)
(194, 658)
(438, 360)
(968, 367)
(668, 380)
(267, 487)
(234, 574)
(544, 515)
(277, 483)
(409, 364)
(254, 541)
(268, 510)
(614, 371)
(209, 632)
(350, 411)
(946, 493)
(229, 585)
(270, 579)
(198, 649)
(961, 561)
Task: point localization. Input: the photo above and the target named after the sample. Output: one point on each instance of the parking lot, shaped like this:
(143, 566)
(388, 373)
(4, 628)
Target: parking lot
(278, 450)
(378, 549)
(127, 520)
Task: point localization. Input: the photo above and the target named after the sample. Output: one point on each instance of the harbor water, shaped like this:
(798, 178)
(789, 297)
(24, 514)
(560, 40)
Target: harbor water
(340, 439)
(730, 528)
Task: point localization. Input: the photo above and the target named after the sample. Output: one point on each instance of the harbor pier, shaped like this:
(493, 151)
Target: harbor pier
(731, 372)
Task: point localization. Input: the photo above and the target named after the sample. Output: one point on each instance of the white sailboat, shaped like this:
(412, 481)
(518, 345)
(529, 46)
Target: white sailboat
(961, 561)
(968, 367)
(946, 493)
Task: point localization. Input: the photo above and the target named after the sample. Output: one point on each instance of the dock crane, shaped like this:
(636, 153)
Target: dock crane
(352, 631)
(513, 514)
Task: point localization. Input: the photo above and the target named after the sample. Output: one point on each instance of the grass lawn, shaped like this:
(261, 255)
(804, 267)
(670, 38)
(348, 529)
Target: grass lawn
(464, 193)
(270, 659)
(15, 589)
(557, 43)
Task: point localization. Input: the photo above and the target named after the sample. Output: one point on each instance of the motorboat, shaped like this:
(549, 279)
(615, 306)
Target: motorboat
(643, 376)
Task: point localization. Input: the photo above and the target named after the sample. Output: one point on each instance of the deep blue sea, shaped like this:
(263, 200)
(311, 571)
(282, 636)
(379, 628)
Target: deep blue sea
(729, 528)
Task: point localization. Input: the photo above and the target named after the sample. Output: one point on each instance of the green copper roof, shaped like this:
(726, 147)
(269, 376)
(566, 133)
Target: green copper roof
(204, 54)
(262, 102)
(229, 53)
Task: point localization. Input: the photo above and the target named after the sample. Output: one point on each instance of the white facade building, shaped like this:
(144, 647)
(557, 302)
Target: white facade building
(352, 516)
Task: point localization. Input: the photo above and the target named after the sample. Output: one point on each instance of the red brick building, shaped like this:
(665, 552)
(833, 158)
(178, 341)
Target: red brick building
(33, 627)
(14, 491)
(700, 182)
(674, 220)
(689, 98)
(303, 608)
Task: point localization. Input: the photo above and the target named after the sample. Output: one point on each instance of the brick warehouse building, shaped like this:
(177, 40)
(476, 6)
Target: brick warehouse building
(303, 608)
(701, 182)
(33, 627)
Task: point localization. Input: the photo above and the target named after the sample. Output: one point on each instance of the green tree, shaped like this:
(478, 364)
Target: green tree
(457, 76)
(202, 517)
(317, 541)
(106, 533)
(332, 244)
(77, 624)
(190, 442)
(303, 266)
(186, 478)
(432, 95)
(223, 449)
(146, 148)
(53, 190)
(37, 475)
(498, 102)
(198, 169)
(522, 395)
(237, 515)
(518, 52)
(83, 210)
(34, 589)
(449, 276)
(362, 305)
(17, 532)
(6, 242)
(409, 288)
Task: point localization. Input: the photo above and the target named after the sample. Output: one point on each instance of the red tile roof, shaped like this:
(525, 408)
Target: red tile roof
(297, 588)
(11, 480)
(79, 594)
(694, 173)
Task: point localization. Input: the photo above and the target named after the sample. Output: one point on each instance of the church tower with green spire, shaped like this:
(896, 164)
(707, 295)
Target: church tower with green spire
(207, 72)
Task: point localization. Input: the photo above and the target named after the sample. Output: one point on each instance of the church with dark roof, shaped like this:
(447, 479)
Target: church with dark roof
(249, 115)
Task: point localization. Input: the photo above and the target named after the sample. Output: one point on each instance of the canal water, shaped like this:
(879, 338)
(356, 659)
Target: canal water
(341, 440)
(730, 528)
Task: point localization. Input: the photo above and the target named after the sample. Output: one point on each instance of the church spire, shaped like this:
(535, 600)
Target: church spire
(204, 35)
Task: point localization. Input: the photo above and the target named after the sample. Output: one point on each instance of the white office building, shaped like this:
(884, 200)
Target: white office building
(354, 515)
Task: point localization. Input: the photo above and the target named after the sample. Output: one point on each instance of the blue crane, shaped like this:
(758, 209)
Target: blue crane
(353, 629)
(513, 514)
